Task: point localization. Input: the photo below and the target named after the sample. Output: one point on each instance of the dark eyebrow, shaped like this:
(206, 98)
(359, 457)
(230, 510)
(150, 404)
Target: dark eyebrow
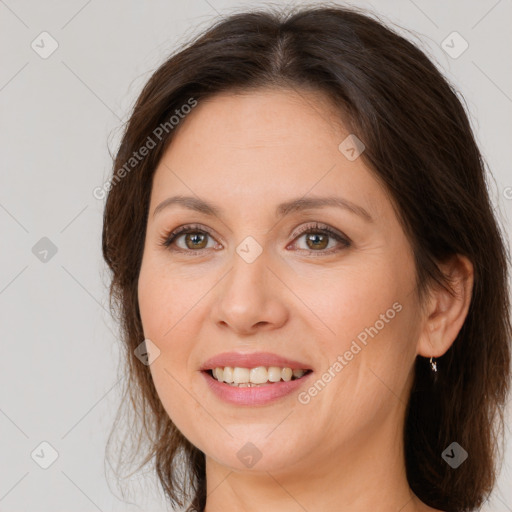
(192, 203)
(302, 203)
(310, 203)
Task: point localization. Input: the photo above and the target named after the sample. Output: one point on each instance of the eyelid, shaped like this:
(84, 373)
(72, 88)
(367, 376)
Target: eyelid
(341, 238)
(345, 241)
(169, 237)
(311, 226)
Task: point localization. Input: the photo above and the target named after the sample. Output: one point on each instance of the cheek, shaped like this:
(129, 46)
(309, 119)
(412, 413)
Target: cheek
(165, 298)
(164, 319)
(348, 301)
(169, 309)
(370, 320)
(181, 407)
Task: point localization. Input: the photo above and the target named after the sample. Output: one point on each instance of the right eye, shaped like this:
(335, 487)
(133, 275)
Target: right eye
(194, 236)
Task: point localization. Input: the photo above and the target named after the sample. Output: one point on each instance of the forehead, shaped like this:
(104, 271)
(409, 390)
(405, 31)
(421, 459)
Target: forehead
(250, 119)
(264, 145)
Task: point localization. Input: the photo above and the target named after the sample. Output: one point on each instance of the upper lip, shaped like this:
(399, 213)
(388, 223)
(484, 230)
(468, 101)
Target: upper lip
(251, 360)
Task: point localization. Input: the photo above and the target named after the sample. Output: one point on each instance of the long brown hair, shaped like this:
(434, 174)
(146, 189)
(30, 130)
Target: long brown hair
(419, 144)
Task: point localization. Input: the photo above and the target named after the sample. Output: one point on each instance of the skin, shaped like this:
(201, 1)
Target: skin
(247, 153)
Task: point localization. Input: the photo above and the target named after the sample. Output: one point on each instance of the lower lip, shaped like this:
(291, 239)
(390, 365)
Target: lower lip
(259, 395)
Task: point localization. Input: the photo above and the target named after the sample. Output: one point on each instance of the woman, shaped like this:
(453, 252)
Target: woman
(308, 273)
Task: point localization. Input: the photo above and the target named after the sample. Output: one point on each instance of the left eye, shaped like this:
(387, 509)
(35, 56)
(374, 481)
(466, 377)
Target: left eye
(316, 239)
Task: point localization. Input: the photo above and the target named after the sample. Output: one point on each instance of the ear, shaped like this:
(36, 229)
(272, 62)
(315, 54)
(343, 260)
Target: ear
(444, 313)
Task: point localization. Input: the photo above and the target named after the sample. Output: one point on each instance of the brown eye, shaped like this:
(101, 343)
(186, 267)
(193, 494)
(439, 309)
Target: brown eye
(317, 240)
(195, 240)
(318, 237)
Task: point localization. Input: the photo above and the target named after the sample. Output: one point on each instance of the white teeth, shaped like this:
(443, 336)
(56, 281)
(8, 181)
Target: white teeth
(227, 374)
(261, 375)
(258, 375)
(274, 374)
(218, 373)
(286, 374)
(240, 375)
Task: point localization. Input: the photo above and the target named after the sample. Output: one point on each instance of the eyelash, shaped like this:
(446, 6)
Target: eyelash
(307, 229)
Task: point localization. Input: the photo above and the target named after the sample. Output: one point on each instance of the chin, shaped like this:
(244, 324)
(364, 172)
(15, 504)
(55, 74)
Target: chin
(254, 452)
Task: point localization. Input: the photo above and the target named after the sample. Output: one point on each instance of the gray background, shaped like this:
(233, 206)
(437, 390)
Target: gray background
(59, 116)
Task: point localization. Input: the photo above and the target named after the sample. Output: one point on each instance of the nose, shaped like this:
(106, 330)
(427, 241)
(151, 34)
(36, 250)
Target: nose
(250, 298)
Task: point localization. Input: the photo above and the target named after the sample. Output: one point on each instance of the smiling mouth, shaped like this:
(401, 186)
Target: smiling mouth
(255, 377)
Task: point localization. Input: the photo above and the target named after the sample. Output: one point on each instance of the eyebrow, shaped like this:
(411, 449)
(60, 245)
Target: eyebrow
(283, 209)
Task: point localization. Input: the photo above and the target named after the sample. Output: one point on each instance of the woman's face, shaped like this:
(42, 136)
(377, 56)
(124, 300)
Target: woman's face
(257, 278)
